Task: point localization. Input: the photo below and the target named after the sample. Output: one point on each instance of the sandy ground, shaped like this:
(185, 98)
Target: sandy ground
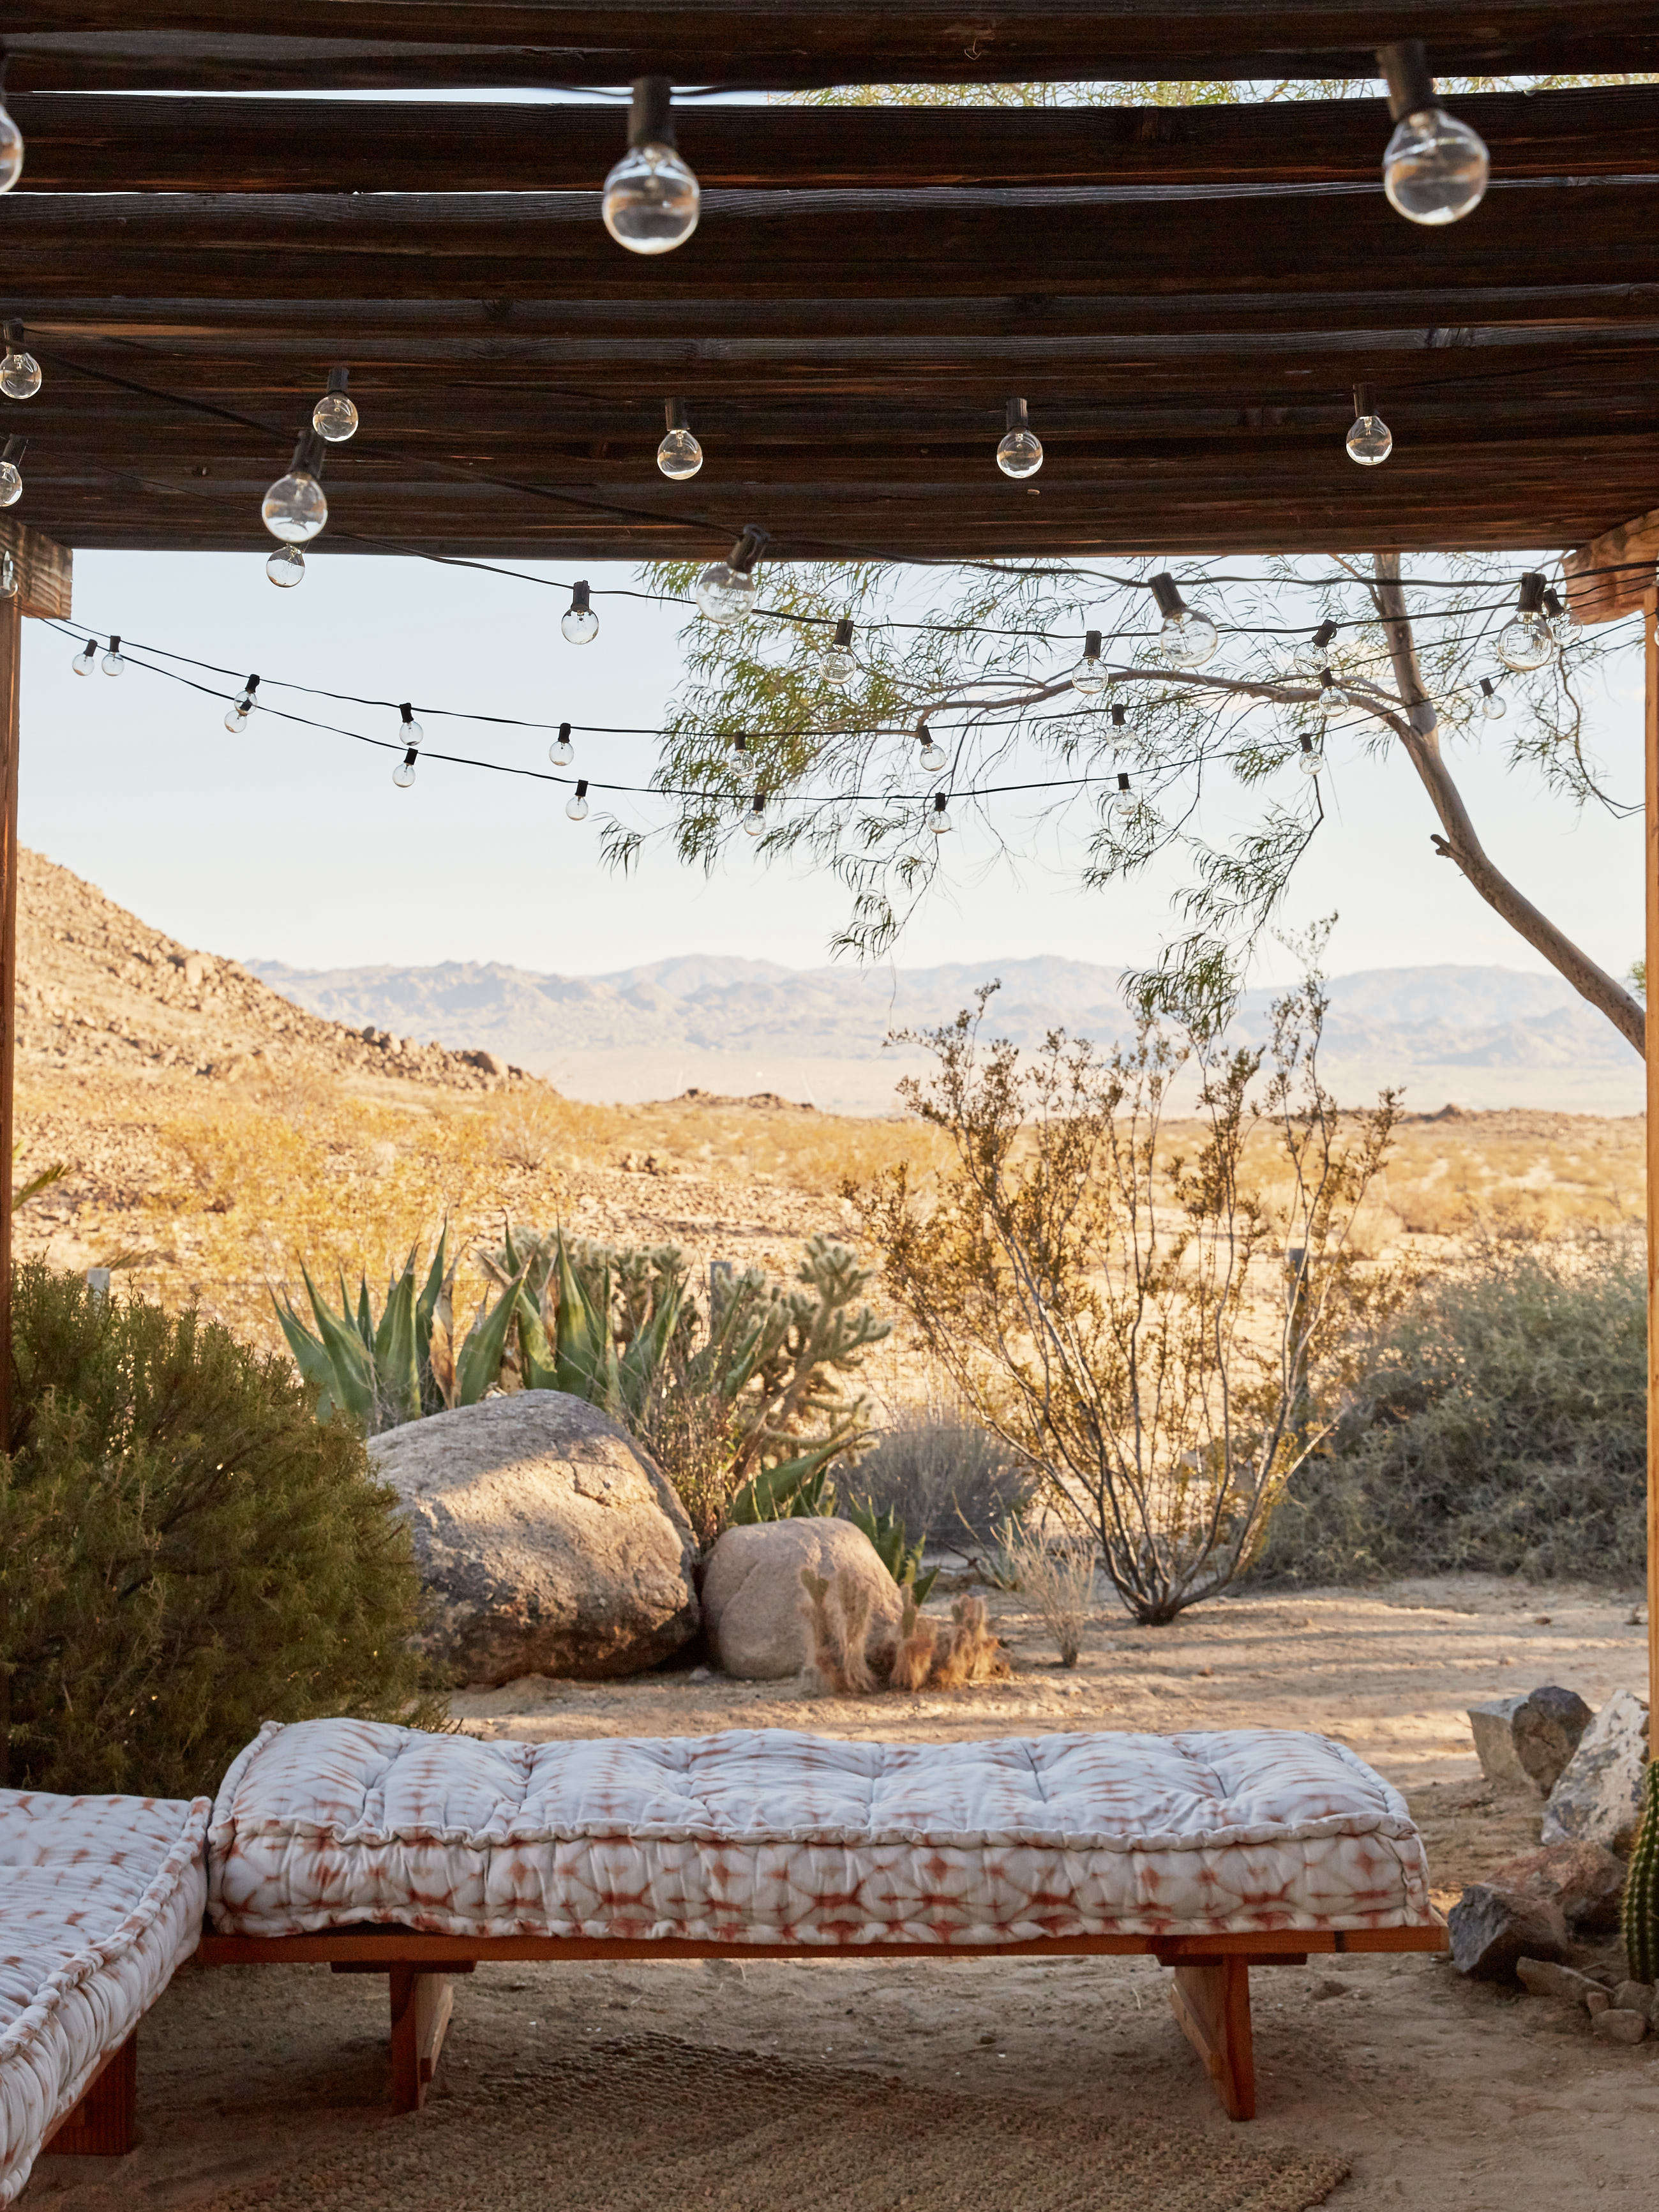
(1443, 2096)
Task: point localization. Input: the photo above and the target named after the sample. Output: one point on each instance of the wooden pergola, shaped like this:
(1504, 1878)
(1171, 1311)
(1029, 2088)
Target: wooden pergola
(1186, 297)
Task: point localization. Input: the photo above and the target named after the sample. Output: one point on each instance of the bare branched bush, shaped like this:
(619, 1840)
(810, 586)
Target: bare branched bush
(951, 1480)
(1054, 1572)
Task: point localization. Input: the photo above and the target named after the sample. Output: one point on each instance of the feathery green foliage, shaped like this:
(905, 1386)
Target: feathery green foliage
(185, 1551)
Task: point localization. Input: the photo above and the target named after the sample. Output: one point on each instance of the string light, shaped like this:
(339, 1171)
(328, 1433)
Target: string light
(581, 625)
(840, 663)
(87, 659)
(1020, 452)
(1188, 638)
(111, 663)
(1490, 704)
(11, 139)
(286, 567)
(679, 455)
(295, 509)
(1527, 643)
(1120, 714)
(932, 756)
(726, 590)
(577, 810)
(1125, 806)
(651, 200)
(1434, 169)
(1332, 697)
(412, 734)
(236, 718)
(939, 821)
(335, 417)
(7, 573)
(755, 820)
(1310, 657)
(1089, 678)
(11, 477)
(561, 752)
(20, 372)
(1313, 757)
(1370, 440)
(1559, 611)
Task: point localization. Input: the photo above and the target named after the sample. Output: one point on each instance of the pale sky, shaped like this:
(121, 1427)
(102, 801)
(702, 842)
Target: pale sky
(290, 845)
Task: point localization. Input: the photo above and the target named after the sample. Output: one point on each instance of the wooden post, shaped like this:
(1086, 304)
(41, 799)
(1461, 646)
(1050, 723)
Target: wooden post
(1650, 748)
(102, 2124)
(1210, 1998)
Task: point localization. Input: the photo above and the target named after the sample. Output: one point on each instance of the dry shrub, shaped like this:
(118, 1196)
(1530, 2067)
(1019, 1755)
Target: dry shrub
(948, 1478)
(1056, 1574)
(852, 1660)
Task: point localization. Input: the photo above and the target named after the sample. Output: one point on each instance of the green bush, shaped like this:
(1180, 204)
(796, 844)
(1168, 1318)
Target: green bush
(1501, 1428)
(185, 1552)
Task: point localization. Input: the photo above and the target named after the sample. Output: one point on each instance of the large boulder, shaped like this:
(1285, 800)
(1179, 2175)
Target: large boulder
(1598, 1799)
(1491, 1929)
(752, 1598)
(1585, 1880)
(1531, 1737)
(548, 1541)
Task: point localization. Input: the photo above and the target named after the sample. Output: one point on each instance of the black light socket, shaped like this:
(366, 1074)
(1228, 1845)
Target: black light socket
(674, 413)
(1092, 645)
(1411, 87)
(651, 115)
(844, 630)
(1530, 600)
(1167, 593)
(747, 551)
(579, 596)
(1017, 417)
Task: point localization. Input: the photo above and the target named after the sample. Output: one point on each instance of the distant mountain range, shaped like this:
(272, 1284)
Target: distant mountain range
(1479, 1037)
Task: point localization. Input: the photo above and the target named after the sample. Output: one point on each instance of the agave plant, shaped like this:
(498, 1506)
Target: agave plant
(383, 1373)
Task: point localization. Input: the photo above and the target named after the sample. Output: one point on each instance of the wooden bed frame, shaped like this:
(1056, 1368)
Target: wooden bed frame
(1211, 1993)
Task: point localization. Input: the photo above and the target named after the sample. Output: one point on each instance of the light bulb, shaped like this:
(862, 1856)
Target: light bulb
(725, 594)
(20, 372)
(1312, 758)
(1125, 806)
(939, 820)
(577, 810)
(1369, 441)
(932, 756)
(7, 573)
(286, 567)
(11, 150)
(1189, 639)
(411, 733)
(839, 664)
(1311, 655)
(1089, 678)
(87, 659)
(404, 774)
(1525, 643)
(581, 625)
(1491, 706)
(1436, 168)
(1332, 697)
(679, 455)
(561, 752)
(335, 417)
(1020, 452)
(236, 718)
(755, 820)
(112, 664)
(1559, 611)
(11, 483)
(295, 509)
(651, 200)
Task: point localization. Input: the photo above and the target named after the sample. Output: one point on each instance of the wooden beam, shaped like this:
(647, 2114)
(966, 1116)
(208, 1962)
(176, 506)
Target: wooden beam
(106, 142)
(220, 45)
(1613, 573)
(1211, 2000)
(1650, 858)
(102, 2124)
(45, 569)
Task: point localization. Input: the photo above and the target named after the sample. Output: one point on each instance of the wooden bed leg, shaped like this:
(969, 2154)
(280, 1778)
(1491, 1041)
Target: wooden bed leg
(420, 2005)
(1211, 2000)
(102, 2124)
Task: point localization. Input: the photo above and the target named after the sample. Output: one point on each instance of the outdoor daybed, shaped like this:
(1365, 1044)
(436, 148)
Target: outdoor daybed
(379, 1849)
(100, 1900)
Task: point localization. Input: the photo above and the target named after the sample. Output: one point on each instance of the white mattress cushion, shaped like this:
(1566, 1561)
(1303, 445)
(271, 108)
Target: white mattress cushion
(100, 1899)
(771, 1837)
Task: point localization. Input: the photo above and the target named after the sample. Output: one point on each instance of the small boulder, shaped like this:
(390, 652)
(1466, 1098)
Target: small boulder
(1531, 1737)
(1545, 1978)
(1615, 2027)
(1598, 1799)
(1492, 1930)
(1635, 1996)
(752, 1599)
(548, 1541)
(1585, 1880)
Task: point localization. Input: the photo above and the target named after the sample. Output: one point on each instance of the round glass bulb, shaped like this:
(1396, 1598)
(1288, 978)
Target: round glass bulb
(651, 200)
(1309, 659)
(561, 752)
(11, 151)
(335, 418)
(753, 824)
(939, 822)
(236, 718)
(679, 455)
(1124, 808)
(85, 661)
(1189, 639)
(1020, 453)
(112, 664)
(11, 484)
(404, 774)
(1310, 764)
(286, 567)
(1434, 169)
(1089, 678)
(932, 758)
(839, 664)
(725, 594)
(294, 509)
(1563, 625)
(19, 375)
(1370, 442)
(410, 733)
(1525, 643)
(1332, 697)
(581, 626)
(1492, 706)
(577, 810)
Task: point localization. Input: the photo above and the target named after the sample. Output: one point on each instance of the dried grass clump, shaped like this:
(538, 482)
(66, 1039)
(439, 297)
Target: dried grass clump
(1056, 1575)
(853, 1660)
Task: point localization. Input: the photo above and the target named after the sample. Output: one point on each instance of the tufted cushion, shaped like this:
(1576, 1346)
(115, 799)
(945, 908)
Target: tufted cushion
(771, 1837)
(100, 1899)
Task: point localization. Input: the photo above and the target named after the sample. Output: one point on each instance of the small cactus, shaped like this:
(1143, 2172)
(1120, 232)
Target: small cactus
(1641, 1906)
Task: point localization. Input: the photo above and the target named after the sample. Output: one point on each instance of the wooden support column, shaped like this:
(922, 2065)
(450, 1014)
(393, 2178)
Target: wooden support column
(102, 2124)
(1651, 861)
(1211, 1999)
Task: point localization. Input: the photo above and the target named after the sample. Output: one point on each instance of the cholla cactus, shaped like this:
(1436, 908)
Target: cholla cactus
(1641, 1907)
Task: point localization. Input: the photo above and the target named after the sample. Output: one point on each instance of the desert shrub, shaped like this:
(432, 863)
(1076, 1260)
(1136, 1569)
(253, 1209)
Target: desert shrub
(185, 1552)
(1054, 1569)
(951, 1481)
(1502, 1427)
(851, 1655)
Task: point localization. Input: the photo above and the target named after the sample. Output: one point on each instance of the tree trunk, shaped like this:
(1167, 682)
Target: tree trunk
(1421, 736)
